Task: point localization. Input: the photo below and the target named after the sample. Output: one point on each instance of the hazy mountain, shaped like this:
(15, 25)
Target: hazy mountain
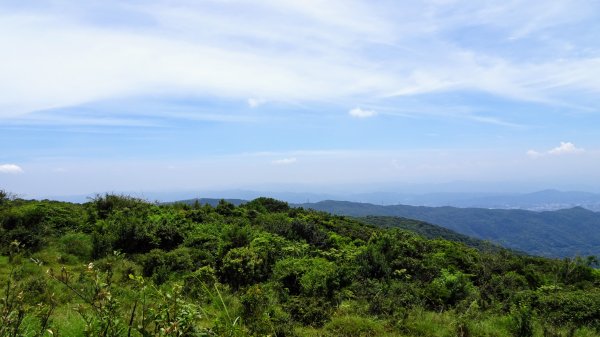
(566, 232)
(542, 200)
(212, 201)
(545, 200)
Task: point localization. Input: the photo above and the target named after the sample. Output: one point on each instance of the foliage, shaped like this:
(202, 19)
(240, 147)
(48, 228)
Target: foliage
(77, 244)
(267, 205)
(120, 266)
(570, 308)
(522, 321)
(561, 233)
(450, 288)
(353, 326)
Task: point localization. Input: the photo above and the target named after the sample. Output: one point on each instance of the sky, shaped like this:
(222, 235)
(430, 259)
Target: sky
(154, 95)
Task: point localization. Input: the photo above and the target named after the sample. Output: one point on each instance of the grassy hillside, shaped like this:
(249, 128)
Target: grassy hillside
(562, 233)
(119, 266)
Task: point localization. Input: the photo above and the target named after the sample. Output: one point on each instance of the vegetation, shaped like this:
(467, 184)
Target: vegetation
(120, 266)
(429, 231)
(562, 233)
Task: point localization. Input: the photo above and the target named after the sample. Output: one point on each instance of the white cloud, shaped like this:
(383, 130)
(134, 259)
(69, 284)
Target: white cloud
(361, 113)
(565, 148)
(562, 149)
(10, 168)
(285, 161)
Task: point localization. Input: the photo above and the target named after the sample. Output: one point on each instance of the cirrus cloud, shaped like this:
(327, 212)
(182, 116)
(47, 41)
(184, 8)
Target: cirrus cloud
(319, 50)
(285, 161)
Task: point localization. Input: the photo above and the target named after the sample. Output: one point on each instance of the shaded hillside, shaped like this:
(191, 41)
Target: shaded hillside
(567, 232)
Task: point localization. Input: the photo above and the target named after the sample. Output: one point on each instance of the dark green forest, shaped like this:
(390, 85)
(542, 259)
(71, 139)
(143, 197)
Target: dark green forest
(121, 266)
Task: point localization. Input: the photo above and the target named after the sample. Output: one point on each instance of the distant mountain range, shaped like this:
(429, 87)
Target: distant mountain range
(546, 200)
(561, 233)
(212, 201)
(542, 200)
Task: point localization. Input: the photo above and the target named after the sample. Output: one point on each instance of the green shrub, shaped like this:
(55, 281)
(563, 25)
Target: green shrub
(313, 311)
(77, 244)
(521, 321)
(391, 298)
(242, 266)
(102, 206)
(270, 205)
(570, 308)
(353, 326)
(307, 276)
(449, 289)
(161, 265)
(196, 284)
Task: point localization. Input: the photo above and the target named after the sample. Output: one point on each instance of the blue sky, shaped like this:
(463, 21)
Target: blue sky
(200, 95)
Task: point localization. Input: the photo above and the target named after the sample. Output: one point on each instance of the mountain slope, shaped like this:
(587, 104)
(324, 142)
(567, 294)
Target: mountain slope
(561, 233)
(429, 231)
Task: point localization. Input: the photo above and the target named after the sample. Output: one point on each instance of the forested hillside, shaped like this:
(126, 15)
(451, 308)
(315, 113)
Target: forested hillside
(563, 233)
(429, 231)
(120, 266)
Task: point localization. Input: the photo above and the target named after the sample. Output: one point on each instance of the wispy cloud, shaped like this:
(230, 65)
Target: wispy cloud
(10, 169)
(285, 161)
(534, 153)
(256, 102)
(292, 51)
(492, 120)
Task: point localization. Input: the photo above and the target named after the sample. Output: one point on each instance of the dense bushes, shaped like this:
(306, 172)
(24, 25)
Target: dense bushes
(263, 268)
(77, 244)
(32, 223)
(570, 308)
